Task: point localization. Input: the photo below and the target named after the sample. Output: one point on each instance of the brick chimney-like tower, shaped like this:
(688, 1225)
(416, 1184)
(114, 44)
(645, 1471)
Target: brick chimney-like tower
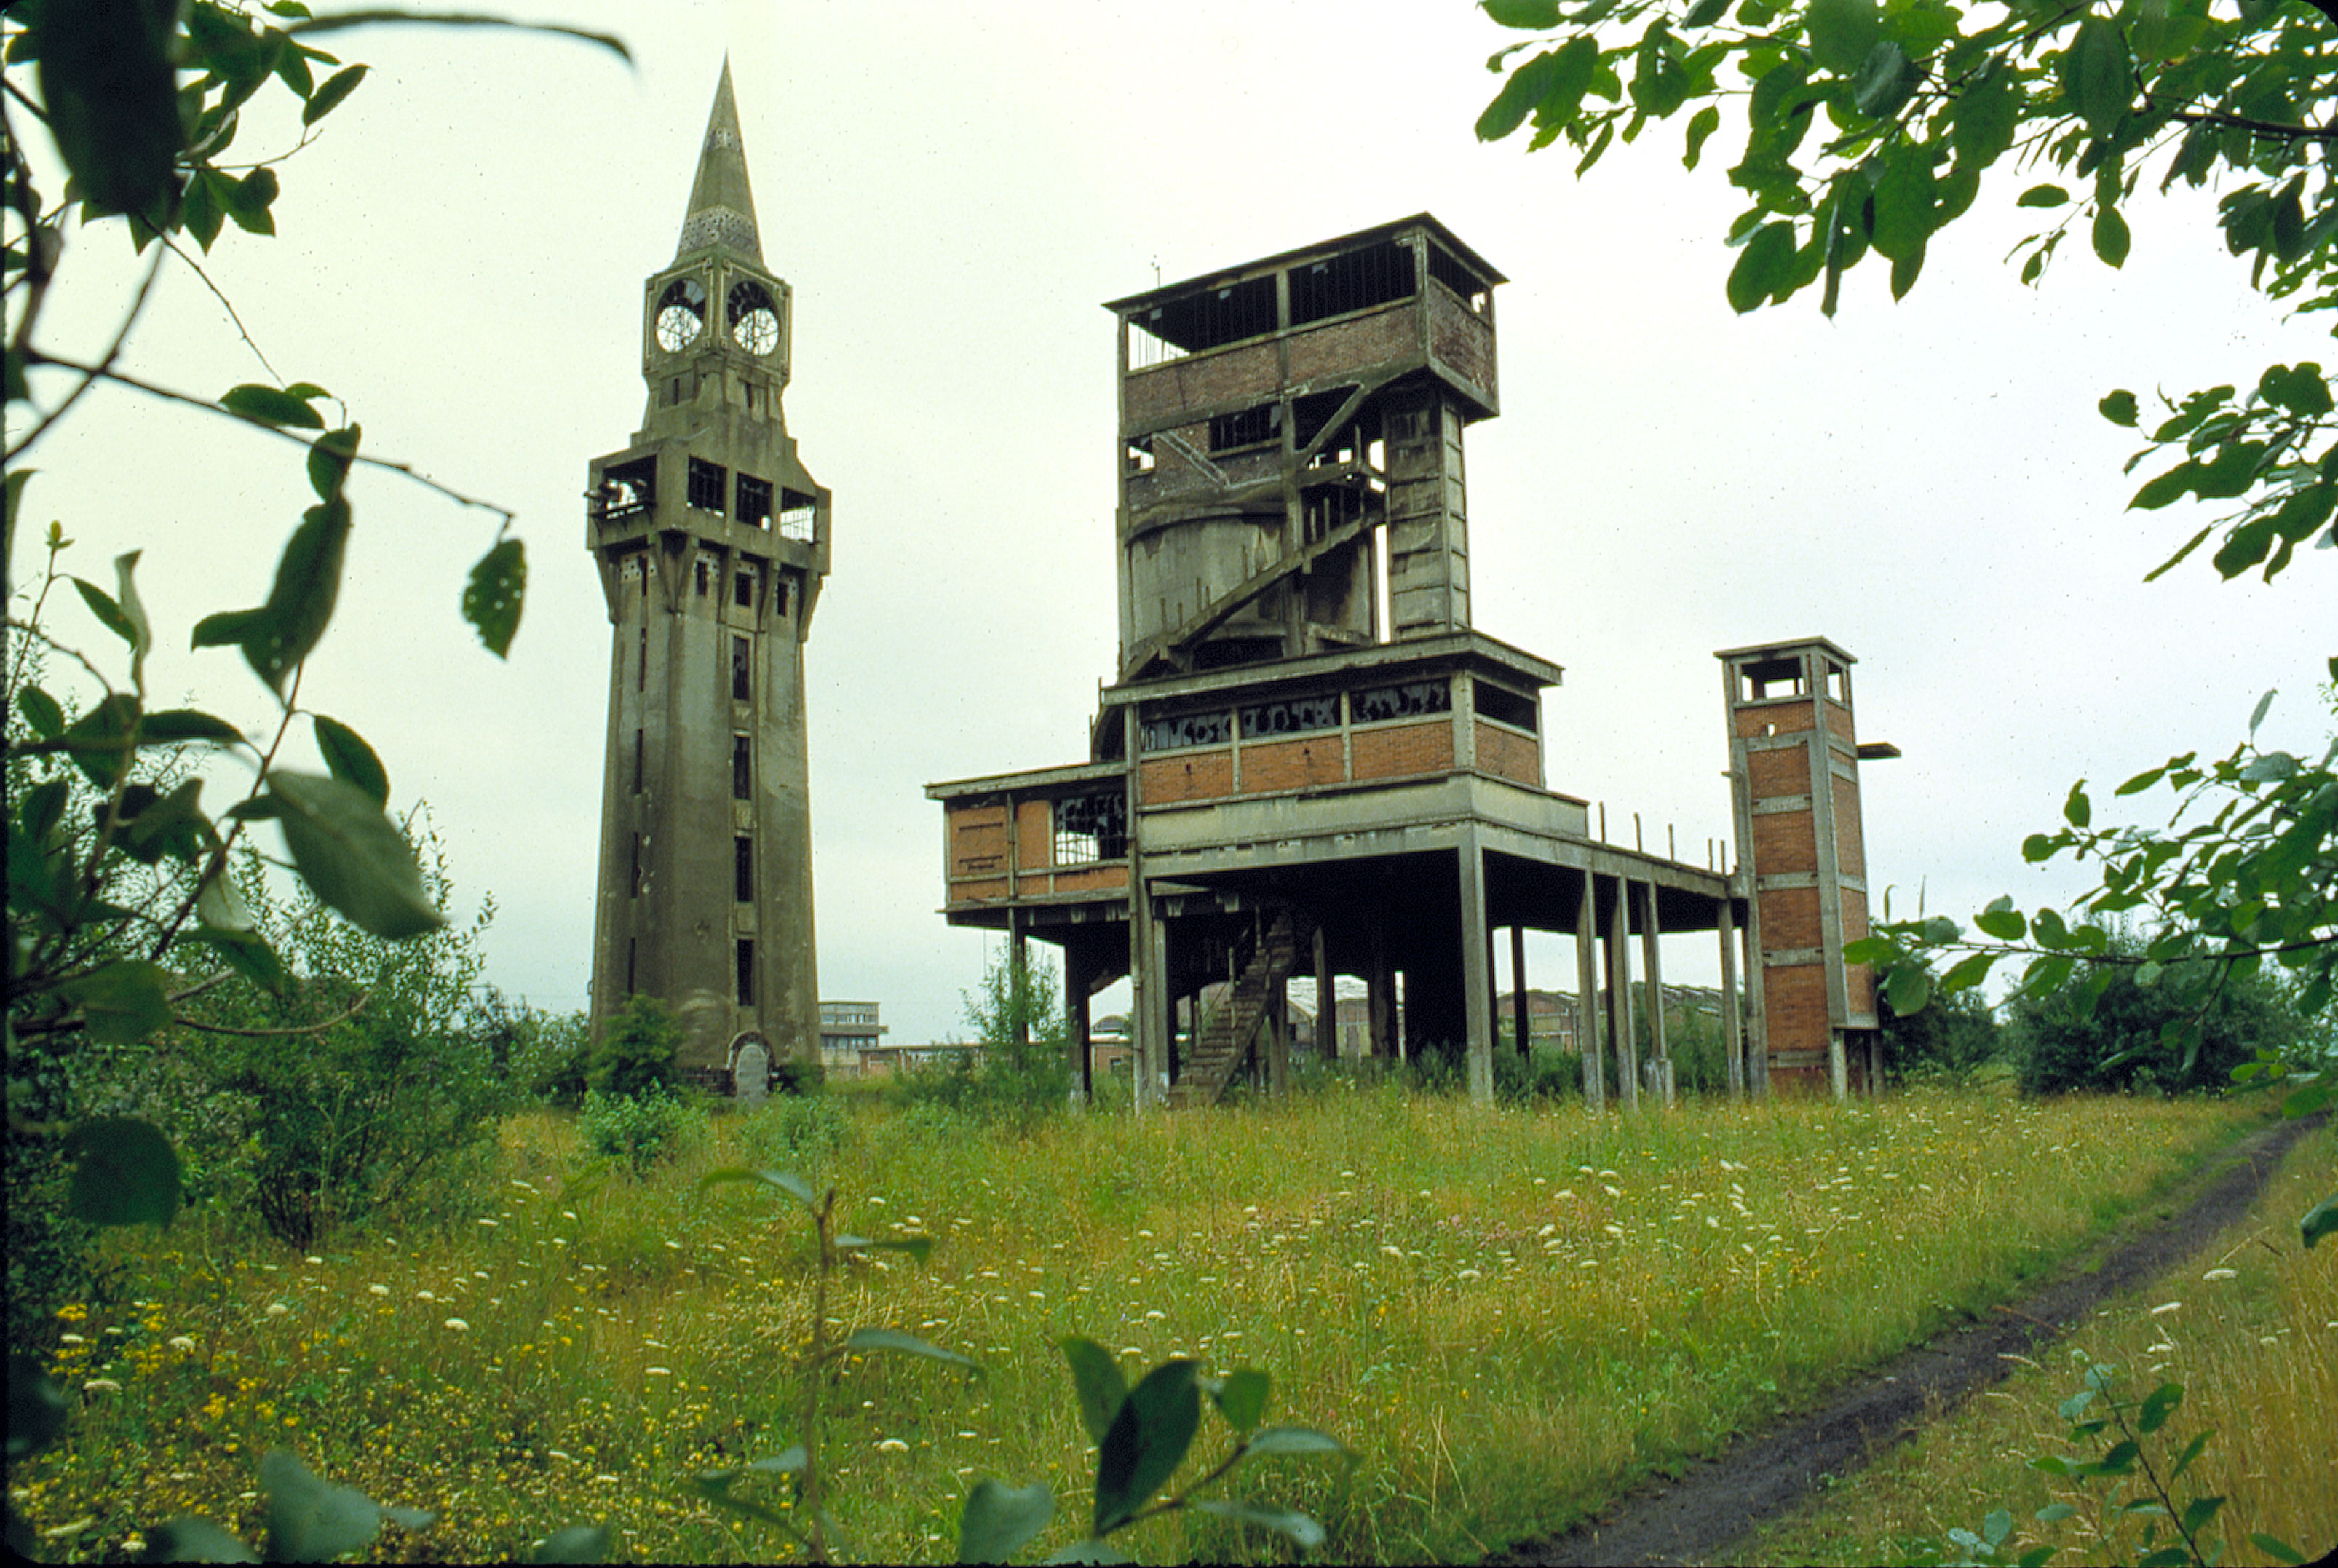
(1794, 765)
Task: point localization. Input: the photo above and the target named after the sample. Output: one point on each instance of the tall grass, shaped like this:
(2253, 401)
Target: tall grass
(2249, 1330)
(1509, 1314)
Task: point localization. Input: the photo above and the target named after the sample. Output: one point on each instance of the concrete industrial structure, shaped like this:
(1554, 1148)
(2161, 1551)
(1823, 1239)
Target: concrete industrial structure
(711, 540)
(1311, 761)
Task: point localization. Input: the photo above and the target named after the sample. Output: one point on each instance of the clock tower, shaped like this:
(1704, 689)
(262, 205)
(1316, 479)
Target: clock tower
(712, 541)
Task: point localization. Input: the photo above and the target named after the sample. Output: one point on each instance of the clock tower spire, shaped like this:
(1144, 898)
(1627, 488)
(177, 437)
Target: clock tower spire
(712, 541)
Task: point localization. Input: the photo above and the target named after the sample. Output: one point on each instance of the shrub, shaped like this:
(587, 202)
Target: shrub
(1953, 1038)
(2118, 1042)
(636, 1053)
(798, 1132)
(1020, 1066)
(641, 1130)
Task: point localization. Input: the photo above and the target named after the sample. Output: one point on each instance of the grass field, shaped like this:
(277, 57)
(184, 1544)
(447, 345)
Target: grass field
(1508, 1315)
(2249, 1330)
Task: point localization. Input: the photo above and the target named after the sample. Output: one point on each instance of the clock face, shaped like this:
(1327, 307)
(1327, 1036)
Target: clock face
(680, 315)
(754, 318)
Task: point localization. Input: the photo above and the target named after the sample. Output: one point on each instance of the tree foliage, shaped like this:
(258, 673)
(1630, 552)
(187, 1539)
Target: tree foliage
(636, 1052)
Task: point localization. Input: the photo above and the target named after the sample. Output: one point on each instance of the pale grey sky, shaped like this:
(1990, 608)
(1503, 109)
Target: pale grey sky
(952, 190)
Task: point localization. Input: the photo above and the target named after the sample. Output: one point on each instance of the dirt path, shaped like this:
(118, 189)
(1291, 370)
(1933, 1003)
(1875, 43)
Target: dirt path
(1718, 1501)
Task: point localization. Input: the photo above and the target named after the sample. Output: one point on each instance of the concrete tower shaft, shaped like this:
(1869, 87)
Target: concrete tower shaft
(712, 541)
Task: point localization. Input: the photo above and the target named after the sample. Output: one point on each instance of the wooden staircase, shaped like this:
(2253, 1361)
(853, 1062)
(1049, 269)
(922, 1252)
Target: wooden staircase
(1230, 1032)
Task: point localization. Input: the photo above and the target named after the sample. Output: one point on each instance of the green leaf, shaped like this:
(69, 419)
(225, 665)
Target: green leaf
(1909, 990)
(918, 1246)
(1519, 95)
(2043, 196)
(1241, 1397)
(1762, 266)
(2119, 408)
(108, 614)
(1146, 1442)
(2110, 236)
(277, 635)
(1526, 16)
(2320, 1221)
(575, 1544)
(245, 952)
(999, 1519)
(329, 460)
(112, 100)
(124, 1173)
(270, 406)
(177, 727)
(1987, 113)
(2275, 1547)
(121, 1003)
(337, 21)
(193, 1540)
(36, 1409)
(1886, 80)
(248, 201)
(1090, 1551)
(786, 1181)
(2002, 920)
(1701, 125)
(310, 1520)
(40, 711)
(2200, 1513)
(866, 1341)
(350, 759)
(99, 741)
(1968, 972)
(1096, 1382)
(2157, 1406)
(1843, 33)
(351, 855)
(330, 91)
(43, 807)
(2076, 810)
(2098, 74)
(1303, 1532)
(491, 602)
(1293, 1440)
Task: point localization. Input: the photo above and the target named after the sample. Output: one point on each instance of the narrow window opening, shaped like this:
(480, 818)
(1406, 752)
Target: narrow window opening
(1246, 428)
(754, 501)
(637, 762)
(1503, 706)
(631, 943)
(743, 588)
(637, 867)
(707, 483)
(783, 597)
(674, 391)
(1838, 683)
(742, 670)
(742, 768)
(1140, 455)
(746, 971)
(752, 399)
(701, 577)
(742, 871)
(642, 668)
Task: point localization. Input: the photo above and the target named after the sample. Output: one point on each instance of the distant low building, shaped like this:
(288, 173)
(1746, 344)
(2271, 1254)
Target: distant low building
(848, 1031)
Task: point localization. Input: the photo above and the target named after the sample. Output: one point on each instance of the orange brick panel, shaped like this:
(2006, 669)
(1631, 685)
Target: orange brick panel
(1508, 755)
(1353, 345)
(1790, 918)
(1785, 718)
(1859, 985)
(1203, 776)
(1460, 340)
(1850, 841)
(978, 840)
(995, 887)
(1785, 841)
(1292, 764)
(1838, 718)
(1034, 835)
(1794, 1008)
(1786, 772)
(1400, 749)
(1091, 880)
(1201, 380)
(1854, 914)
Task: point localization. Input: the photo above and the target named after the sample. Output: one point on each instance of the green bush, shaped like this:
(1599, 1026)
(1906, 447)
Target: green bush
(2114, 1040)
(1020, 1066)
(644, 1129)
(1953, 1038)
(636, 1053)
(800, 1132)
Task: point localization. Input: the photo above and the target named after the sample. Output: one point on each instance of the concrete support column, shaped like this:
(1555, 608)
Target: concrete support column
(1149, 1001)
(1379, 986)
(1477, 971)
(1838, 1067)
(1732, 1028)
(1619, 996)
(1587, 996)
(1327, 1003)
(1652, 961)
(1519, 989)
(1019, 968)
(1757, 1054)
(1079, 978)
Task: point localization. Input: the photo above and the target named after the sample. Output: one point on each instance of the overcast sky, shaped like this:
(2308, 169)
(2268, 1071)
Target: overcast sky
(952, 190)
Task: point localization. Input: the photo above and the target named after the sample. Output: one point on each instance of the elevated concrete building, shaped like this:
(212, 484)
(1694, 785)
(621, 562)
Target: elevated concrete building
(711, 540)
(1311, 761)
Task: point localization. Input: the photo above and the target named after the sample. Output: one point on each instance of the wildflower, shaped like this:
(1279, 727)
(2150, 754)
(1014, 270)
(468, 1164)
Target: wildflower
(892, 1445)
(459, 1326)
(1392, 1251)
(101, 1386)
(276, 1309)
(182, 1342)
(658, 1371)
(71, 1339)
(2221, 1274)
(1470, 1274)
(2165, 1307)
(378, 1290)
(1156, 1313)
(491, 1224)
(424, 1296)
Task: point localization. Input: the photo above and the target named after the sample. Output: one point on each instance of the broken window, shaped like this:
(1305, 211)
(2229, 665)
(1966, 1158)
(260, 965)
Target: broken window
(746, 971)
(1295, 717)
(754, 501)
(707, 483)
(1447, 270)
(1412, 699)
(742, 767)
(1208, 729)
(742, 587)
(1756, 677)
(1204, 319)
(1140, 455)
(742, 869)
(1503, 706)
(627, 488)
(637, 762)
(1354, 280)
(796, 515)
(1313, 412)
(743, 667)
(1245, 428)
(1091, 827)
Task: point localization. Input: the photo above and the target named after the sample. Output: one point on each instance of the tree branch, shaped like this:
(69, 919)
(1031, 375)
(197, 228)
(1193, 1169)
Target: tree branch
(278, 1034)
